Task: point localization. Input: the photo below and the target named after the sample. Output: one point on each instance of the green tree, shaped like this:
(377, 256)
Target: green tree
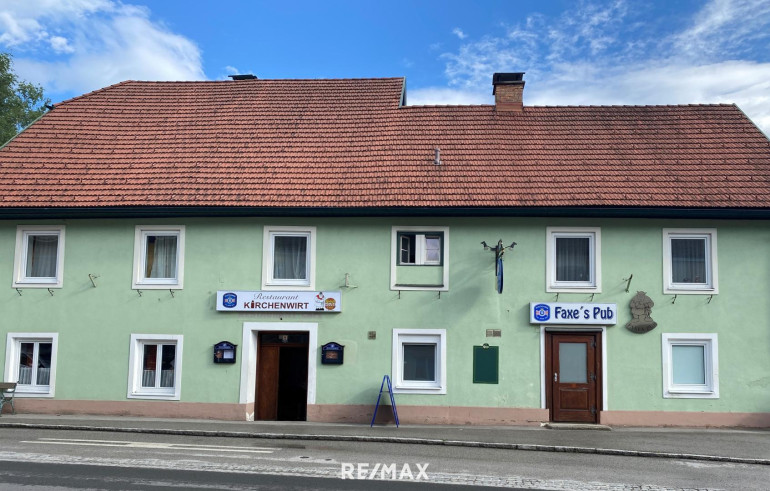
(20, 102)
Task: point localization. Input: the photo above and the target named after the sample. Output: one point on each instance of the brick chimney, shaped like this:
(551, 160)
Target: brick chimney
(508, 89)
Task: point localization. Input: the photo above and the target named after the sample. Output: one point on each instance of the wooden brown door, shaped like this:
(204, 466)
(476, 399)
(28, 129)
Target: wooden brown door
(573, 376)
(267, 382)
(282, 369)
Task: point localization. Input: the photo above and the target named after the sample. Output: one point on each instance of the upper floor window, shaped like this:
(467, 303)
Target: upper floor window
(39, 258)
(159, 256)
(289, 258)
(690, 261)
(573, 259)
(420, 249)
(419, 258)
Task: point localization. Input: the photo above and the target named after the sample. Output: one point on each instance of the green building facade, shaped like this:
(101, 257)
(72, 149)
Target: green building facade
(97, 318)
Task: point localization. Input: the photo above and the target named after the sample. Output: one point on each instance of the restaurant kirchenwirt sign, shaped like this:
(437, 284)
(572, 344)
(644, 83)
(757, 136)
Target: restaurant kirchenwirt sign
(270, 301)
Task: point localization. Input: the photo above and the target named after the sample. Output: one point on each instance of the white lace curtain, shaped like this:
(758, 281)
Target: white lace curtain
(688, 260)
(573, 259)
(41, 256)
(161, 256)
(42, 373)
(290, 258)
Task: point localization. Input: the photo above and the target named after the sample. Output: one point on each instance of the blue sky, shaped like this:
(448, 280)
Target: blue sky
(573, 52)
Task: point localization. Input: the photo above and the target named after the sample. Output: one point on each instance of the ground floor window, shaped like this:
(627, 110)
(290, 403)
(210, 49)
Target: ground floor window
(155, 366)
(31, 363)
(419, 361)
(690, 365)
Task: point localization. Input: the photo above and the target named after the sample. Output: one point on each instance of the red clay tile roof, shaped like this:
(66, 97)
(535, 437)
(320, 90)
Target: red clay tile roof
(348, 143)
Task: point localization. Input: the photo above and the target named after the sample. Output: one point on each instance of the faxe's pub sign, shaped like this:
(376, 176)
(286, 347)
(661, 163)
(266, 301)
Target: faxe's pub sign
(573, 313)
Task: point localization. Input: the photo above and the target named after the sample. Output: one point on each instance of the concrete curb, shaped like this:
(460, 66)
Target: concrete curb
(400, 440)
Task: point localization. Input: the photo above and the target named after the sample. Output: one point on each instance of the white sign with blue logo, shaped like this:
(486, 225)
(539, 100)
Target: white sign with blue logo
(573, 313)
(268, 301)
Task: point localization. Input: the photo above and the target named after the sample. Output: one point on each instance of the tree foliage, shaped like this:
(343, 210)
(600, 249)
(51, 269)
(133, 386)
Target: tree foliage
(21, 102)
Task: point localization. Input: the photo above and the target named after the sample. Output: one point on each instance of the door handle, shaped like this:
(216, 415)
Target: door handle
(555, 377)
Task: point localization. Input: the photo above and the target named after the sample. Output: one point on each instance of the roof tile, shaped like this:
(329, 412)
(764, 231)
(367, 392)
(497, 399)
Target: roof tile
(349, 143)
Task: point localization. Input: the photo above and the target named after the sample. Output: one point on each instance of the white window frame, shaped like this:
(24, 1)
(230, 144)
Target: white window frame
(136, 366)
(395, 253)
(709, 390)
(20, 278)
(425, 336)
(12, 358)
(711, 286)
(271, 283)
(594, 285)
(140, 281)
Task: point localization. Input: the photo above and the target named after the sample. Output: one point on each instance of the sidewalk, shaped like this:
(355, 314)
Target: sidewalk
(749, 446)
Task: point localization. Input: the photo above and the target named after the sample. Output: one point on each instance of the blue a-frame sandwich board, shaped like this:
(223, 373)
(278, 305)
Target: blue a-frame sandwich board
(392, 400)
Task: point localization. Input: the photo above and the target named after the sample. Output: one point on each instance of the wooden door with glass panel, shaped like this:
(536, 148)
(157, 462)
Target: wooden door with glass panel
(573, 376)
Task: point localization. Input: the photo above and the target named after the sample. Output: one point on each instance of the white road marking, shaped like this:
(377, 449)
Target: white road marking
(153, 445)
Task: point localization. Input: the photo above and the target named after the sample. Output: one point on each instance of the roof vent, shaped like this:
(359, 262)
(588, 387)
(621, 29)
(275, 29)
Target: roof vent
(437, 156)
(247, 76)
(508, 89)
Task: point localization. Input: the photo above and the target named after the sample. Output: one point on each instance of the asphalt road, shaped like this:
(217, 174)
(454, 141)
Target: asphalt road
(47, 459)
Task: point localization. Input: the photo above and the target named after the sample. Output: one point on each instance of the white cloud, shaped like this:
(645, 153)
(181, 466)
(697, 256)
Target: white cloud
(81, 45)
(724, 27)
(60, 45)
(459, 33)
(599, 54)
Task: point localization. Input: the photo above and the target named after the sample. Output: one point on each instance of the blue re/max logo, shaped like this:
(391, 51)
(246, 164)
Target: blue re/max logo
(542, 312)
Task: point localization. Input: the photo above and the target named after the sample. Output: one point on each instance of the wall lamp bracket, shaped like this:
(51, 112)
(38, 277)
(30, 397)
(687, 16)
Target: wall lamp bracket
(628, 284)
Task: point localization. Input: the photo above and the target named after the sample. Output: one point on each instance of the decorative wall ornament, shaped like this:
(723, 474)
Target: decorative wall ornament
(641, 308)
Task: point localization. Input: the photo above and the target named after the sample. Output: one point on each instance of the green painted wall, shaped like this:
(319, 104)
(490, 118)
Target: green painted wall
(94, 324)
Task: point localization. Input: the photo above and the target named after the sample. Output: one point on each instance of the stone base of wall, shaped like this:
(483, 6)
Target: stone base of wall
(362, 414)
(685, 418)
(148, 409)
(439, 415)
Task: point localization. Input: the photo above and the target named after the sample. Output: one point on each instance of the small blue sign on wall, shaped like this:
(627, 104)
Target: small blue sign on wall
(224, 352)
(229, 300)
(332, 354)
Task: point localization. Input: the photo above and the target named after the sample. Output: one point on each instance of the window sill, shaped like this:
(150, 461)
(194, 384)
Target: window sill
(278, 288)
(156, 286)
(690, 395)
(155, 396)
(573, 289)
(21, 393)
(419, 390)
(52, 285)
(690, 291)
(411, 286)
